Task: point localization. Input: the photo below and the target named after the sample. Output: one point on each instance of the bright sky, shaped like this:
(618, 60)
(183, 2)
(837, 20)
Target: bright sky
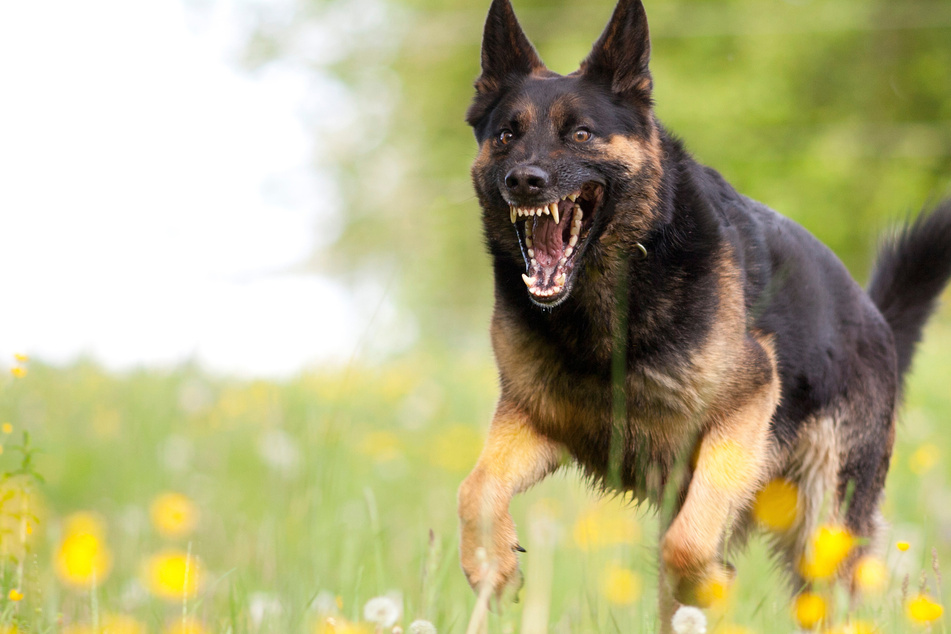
(153, 198)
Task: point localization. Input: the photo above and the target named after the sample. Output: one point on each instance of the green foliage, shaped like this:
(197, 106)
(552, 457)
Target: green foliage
(836, 114)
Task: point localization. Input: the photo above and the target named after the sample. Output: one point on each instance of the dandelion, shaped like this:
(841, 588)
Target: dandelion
(15, 595)
(383, 611)
(922, 609)
(18, 372)
(7, 428)
(713, 592)
(809, 610)
(187, 625)
(82, 559)
(620, 585)
(122, 624)
(902, 546)
(924, 458)
(421, 626)
(173, 574)
(173, 514)
(870, 575)
(607, 524)
(828, 547)
(689, 620)
(21, 358)
(777, 504)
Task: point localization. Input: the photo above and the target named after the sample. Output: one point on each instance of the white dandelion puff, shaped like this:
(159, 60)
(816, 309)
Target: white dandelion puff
(421, 626)
(384, 611)
(689, 620)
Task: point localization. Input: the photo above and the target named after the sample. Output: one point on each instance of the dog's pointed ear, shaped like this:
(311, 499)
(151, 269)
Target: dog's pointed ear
(506, 51)
(620, 57)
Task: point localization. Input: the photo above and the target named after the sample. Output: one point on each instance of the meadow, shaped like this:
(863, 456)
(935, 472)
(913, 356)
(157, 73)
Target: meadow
(177, 502)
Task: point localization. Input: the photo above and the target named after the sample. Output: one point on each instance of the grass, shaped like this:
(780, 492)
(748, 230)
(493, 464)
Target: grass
(333, 488)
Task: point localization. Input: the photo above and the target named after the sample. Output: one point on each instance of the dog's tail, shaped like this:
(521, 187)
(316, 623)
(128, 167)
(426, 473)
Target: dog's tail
(912, 269)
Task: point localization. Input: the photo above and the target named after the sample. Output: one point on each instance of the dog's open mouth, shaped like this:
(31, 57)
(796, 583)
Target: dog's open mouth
(552, 236)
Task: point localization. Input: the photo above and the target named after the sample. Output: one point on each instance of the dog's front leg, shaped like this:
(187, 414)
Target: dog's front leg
(730, 467)
(514, 458)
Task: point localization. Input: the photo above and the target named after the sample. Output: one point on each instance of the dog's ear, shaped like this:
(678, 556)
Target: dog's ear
(506, 55)
(506, 51)
(621, 55)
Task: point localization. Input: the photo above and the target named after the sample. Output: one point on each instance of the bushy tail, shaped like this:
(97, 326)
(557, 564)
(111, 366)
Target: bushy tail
(910, 273)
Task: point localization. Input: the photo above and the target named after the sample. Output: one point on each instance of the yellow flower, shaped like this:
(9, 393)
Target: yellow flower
(854, 627)
(620, 585)
(185, 626)
(809, 610)
(15, 595)
(713, 593)
(870, 575)
(607, 524)
(18, 371)
(173, 514)
(333, 625)
(924, 458)
(173, 574)
(83, 560)
(776, 505)
(21, 358)
(9, 629)
(828, 546)
(902, 546)
(730, 628)
(122, 624)
(922, 609)
(7, 428)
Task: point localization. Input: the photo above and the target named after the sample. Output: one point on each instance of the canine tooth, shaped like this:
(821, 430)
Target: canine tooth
(554, 214)
(573, 240)
(512, 213)
(554, 209)
(528, 280)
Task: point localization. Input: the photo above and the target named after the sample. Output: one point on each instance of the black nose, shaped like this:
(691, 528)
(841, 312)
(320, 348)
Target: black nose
(526, 180)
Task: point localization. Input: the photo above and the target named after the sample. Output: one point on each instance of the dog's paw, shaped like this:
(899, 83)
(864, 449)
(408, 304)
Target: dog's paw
(496, 567)
(705, 587)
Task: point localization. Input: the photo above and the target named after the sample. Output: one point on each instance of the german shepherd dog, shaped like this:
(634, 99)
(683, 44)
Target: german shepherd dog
(680, 342)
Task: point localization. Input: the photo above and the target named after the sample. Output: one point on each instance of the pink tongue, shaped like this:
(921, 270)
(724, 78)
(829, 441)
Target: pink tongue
(549, 237)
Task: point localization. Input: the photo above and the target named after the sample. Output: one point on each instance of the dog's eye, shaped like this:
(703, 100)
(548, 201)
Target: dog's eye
(504, 137)
(581, 135)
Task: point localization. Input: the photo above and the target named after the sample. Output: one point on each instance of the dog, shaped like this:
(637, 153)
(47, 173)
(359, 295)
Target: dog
(680, 342)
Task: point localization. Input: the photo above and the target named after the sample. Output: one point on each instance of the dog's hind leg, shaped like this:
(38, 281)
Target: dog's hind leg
(514, 458)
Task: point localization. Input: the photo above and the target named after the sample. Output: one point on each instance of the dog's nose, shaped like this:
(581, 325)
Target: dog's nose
(527, 180)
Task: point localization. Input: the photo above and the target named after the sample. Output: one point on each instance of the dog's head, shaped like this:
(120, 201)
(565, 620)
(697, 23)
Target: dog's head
(567, 164)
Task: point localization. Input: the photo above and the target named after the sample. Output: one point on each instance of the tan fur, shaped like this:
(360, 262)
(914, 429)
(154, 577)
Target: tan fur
(514, 458)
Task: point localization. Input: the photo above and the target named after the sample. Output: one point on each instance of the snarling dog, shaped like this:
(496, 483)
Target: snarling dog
(675, 339)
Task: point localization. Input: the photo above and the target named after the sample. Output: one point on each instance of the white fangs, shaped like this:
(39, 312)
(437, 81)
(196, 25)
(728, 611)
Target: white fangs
(549, 209)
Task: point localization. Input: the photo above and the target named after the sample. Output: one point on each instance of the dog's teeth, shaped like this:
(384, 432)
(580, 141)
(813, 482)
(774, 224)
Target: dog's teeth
(512, 213)
(572, 197)
(573, 240)
(528, 280)
(578, 213)
(575, 229)
(561, 279)
(531, 251)
(534, 262)
(554, 214)
(528, 242)
(563, 260)
(528, 228)
(568, 252)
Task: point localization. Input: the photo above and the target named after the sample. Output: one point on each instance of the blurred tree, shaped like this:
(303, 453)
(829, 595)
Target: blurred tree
(836, 114)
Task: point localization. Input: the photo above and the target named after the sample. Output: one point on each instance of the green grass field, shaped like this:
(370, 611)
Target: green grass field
(314, 495)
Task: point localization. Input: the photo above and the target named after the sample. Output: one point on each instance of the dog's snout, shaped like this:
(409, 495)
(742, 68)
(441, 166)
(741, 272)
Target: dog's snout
(527, 180)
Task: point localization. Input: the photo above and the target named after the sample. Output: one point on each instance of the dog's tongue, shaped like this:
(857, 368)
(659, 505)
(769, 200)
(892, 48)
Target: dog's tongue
(549, 236)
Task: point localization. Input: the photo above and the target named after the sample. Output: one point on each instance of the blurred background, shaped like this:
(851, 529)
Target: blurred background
(240, 249)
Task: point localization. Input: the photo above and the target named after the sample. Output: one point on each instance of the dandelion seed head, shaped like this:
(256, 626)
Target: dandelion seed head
(689, 620)
(421, 626)
(384, 611)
